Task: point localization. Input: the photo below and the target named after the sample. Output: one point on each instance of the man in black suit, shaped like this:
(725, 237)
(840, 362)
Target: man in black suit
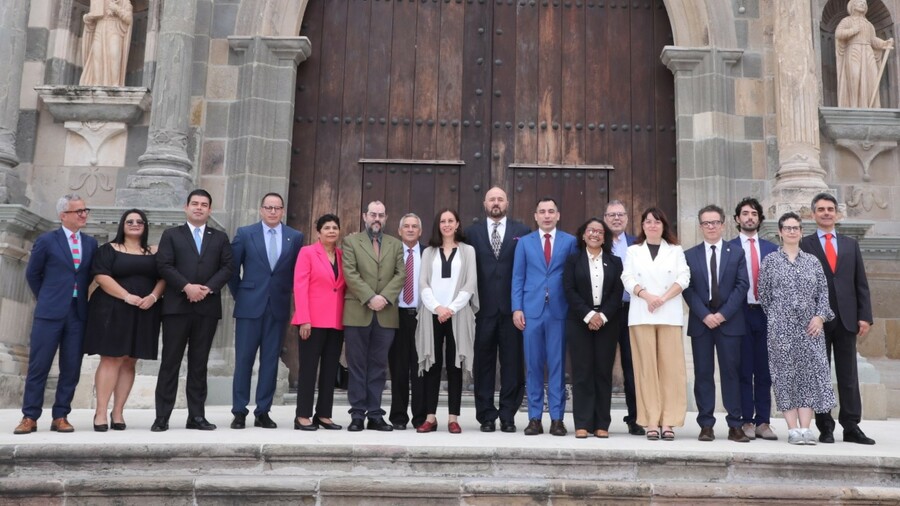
(494, 240)
(195, 260)
(848, 293)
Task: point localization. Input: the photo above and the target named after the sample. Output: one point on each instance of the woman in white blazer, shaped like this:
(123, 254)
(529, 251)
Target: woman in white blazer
(655, 273)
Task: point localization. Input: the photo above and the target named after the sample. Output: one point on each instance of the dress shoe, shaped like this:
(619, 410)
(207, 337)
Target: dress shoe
(827, 436)
(766, 432)
(327, 426)
(160, 425)
(310, 426)
(356, 425)
(749, 430)
(454, 428)
(635, 429)
(507, 427)
(114, 425)
(601, 433)
(398, 426)
(61, 425)
(379, 424)
(263, 420)
(737, 435)
(558, 428)
(26, 426)
(239, 422)
(489, 426)
(534, 427)
(856, 435)
(199, 423)
(581, 433)
(427, 427)
(101, 427)
(706, 434)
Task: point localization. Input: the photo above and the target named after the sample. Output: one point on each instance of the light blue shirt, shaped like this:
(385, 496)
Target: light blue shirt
(267, 234)
(833, 239)
(620, 249)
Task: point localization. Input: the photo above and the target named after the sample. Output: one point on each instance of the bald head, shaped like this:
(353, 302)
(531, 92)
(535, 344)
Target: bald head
(495, 203)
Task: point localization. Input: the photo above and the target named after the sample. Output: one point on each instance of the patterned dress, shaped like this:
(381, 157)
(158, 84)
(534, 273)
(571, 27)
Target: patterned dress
(791, 294)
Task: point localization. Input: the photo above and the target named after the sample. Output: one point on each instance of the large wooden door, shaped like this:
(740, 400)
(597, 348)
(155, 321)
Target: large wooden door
(425, 104)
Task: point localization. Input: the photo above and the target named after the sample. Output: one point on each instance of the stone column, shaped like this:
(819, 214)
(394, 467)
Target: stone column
(800, 175)
(13, 27)
(165, 176)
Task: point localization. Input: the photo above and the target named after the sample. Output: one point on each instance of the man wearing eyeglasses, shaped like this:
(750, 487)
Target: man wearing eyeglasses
(375, 272)
(264, 255)
(58, 273)
(716, 298)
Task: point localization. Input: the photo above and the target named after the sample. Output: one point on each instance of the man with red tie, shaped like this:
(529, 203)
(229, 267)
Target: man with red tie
(848, 293)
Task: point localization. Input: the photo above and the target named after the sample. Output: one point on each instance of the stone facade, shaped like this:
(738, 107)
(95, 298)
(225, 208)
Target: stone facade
(221, 78)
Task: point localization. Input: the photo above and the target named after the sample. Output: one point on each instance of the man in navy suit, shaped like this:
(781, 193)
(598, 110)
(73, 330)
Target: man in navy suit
(58, 273)
(756, 382)
(267, 251)
(848, 293)
(539, 310)
(716, 298)
(494, 240)
(616, 218)
(195, 261)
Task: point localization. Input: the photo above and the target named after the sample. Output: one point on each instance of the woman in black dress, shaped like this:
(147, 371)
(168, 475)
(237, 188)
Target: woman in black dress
(123, 317)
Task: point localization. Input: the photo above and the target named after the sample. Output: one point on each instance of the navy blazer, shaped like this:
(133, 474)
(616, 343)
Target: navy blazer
(494, 274)
(733, 285)
(257, 284)
(577, 283)
(179, 264)
(765, 248)
(848, 286)
(52, 276)
(533, 279)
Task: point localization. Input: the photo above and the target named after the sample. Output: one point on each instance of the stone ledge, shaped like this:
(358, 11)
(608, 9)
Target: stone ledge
(95, 103)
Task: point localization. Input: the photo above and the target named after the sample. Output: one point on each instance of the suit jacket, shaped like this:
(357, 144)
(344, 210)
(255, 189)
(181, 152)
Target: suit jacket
(257, 284)
(577, 283)
(179, 264)
(533, 279)
(733, 286)
(765, 247)
(318, 295)
(51, 274)
(368, 276)
(495, 274)
(656, 276)
(848, 286)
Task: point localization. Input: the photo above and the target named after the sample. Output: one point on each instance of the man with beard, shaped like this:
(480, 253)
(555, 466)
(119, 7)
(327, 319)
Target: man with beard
(756, 383)
(375, 274)
(495, 241)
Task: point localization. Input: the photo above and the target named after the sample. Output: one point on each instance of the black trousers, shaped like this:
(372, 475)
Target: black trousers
(840, 344)
(180, 331)
(592, 354)
(406, 384)
(443, 334)
(321, 352)
(627, 364)
(496, 335)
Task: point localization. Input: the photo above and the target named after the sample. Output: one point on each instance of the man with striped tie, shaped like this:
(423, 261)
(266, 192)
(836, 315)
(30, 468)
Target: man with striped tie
(59, 273)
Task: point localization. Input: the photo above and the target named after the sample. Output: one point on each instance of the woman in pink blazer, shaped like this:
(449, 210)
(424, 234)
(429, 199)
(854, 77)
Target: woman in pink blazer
(318, 309)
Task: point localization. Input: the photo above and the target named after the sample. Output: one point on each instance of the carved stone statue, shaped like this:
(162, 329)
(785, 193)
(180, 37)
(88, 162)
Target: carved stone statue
(105, 43)
(859, 53)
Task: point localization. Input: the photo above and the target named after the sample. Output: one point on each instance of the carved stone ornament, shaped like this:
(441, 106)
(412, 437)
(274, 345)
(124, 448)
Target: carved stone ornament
(96, 134)
(169, 138)
(860, 56)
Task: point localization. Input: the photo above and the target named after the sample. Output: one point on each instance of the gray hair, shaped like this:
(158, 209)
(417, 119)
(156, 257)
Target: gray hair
(63, 203)
(410, 215)
(616, 202)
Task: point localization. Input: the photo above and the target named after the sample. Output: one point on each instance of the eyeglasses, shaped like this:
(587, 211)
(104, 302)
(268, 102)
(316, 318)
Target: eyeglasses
(615, 215)
(79, 212)
(791, 228)
(376, 215)
(710, 224)
(135, 222)
(594, 231)
(271, 209)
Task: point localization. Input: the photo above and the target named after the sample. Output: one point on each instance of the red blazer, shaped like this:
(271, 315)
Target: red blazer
(318, 296)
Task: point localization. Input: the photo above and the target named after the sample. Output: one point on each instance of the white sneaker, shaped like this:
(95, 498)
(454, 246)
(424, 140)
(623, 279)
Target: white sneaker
(795, 437)
(809, 437)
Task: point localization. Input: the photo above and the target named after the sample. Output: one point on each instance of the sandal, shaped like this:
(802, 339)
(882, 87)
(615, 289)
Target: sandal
(653, 435)
(668, 435)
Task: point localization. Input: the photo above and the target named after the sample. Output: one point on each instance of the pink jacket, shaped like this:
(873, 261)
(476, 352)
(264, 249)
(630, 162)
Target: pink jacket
(318, 296)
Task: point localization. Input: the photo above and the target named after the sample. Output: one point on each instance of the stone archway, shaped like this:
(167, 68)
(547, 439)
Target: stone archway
(270, 18)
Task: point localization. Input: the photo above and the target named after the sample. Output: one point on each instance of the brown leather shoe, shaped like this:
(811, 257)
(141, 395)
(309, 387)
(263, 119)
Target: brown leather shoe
(26, 426)
(61, 425)
(558, 428)
(706, 434)
(737, 435)
(534, 427)
(581, 433)
(601, 433)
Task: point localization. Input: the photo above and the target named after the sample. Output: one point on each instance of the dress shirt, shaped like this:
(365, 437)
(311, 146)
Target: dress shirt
(620, 249)
(596, 267)
(834, 241)
(718, 246)
(440, 293)
(501, 228)
(552, 240)
(266, 234)
(69, 237)
(745, 243)
(417, 266)
(202, 230)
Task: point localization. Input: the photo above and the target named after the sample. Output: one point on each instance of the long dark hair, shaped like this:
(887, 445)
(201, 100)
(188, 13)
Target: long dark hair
(437, 240)
(145, 235)
(607, 235)
(667, 234)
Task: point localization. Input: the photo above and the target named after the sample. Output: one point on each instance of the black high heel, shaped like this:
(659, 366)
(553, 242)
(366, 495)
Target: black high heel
(115, 425)
(328, 426)
(101, 428)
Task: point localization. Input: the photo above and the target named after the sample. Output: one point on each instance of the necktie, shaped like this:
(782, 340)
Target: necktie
(714, 283)
(408, 287)
(547, 248)
(830, 253)
(495, 240)
(197, 239)
(76, 259)
(376, 248)
(273, 248)
(754, 268)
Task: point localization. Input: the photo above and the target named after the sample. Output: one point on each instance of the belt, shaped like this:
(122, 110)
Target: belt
(409, 310)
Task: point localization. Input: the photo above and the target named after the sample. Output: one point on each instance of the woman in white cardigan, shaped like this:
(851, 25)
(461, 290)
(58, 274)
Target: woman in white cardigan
(448, 288)
(655, 273)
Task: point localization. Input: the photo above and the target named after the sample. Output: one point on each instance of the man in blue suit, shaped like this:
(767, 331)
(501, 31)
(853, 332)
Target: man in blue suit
(59, 273)
(539, 310)
(716, 298)
(264, 257)
(756, 382)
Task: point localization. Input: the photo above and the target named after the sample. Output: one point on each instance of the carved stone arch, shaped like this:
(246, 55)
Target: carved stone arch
(270, 18)
(702, 23)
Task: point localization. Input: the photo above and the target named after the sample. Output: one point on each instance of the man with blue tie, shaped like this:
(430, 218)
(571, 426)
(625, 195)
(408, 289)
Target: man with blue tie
(58, 273)
(264, 257)
(539, 311)
(716, 298)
